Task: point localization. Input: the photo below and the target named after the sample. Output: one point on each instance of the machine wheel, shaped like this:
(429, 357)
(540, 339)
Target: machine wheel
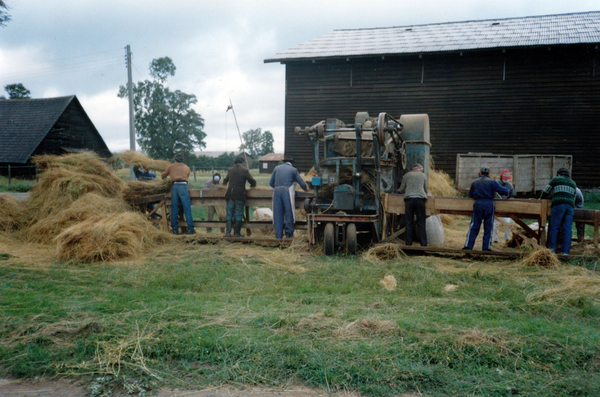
(351, 241)
(329, 239)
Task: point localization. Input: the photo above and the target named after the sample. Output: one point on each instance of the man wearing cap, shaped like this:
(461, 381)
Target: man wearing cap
(179, 174)
(236, 179)
(505, 178)
(284, 195)
(563, 190)
(414, 187)
(211, 210)
(483, 190)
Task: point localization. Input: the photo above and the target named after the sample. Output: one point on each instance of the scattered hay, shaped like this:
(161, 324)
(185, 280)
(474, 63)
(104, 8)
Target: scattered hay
(542, 257)
(389, 282)
(137, 159)
(450, 287)
(572, 291)
(124, 235)
(447, 220)
(366, 328)
(62, 333)
(383, 252)
(474, 338)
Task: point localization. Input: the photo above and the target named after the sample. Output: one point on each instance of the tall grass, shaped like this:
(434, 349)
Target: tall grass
(214, 315)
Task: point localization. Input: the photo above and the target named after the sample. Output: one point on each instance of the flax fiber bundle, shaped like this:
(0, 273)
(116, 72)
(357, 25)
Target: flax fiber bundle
(383, 252)
(136, 159)
(90, 206)
(542, 257)
(124, 235)
(137, 190)
(10, 213)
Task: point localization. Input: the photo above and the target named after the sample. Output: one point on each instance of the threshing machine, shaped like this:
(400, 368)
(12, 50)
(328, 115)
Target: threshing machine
(353, 167)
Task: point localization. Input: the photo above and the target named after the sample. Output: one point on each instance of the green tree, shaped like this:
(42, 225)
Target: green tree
(257, 143)
(165, 123)
(225, 161)
(17, 91)
(4, 17)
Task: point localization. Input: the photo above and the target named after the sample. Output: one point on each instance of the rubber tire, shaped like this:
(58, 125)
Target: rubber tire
(351, 240)
(329, 239)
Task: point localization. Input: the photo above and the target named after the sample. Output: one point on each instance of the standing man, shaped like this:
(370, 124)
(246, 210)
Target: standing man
(414, 187)
(210, 184)
(563, 190)
(505, 178)
(236, 179)
(179, 174)
(284, 197)
(483, 190)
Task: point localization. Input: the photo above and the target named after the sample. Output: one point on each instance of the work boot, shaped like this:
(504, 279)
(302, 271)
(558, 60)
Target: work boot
(228, 229)
(238, 229)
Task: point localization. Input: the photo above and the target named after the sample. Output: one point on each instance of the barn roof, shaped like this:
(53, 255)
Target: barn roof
(272, 157)
(562, 29)
(24, 123)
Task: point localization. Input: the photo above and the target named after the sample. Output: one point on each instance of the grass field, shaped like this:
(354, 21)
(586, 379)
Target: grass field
(193, 316)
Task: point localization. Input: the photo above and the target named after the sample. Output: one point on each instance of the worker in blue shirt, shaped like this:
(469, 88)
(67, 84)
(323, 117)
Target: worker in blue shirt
(284, 208)
(483, 190)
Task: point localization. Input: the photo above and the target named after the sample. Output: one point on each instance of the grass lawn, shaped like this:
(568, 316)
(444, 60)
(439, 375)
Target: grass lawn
(200, 315)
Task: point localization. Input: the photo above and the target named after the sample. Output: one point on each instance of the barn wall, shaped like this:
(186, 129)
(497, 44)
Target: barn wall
(74, 130)
(523, 101)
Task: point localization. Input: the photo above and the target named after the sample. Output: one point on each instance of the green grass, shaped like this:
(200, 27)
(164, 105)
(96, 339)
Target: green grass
(204, 317)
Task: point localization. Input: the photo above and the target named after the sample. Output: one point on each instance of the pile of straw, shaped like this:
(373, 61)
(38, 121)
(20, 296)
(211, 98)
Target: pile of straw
(541, 257)
(90, 206)
(124, 235)
(78, 205)
(440, 184)
(10, 213)
(383, 252)
(137, 159)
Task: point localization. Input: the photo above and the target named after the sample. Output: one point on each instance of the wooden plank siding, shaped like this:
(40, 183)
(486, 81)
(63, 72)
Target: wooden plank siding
(522, 101)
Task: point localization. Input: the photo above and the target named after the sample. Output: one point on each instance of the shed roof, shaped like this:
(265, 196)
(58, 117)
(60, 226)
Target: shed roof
(272, 157)
(24, 123)
(562, 29)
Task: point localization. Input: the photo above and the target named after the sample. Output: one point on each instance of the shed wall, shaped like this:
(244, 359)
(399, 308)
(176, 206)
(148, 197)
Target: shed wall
(523, 101)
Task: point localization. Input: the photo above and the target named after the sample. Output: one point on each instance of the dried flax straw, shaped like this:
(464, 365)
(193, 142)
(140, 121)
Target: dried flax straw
(137, 159)
(389, 282)
(383, 252)
(365, 328)
(541, 257)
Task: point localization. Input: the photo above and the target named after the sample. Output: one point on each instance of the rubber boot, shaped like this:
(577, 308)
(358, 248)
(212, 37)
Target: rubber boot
(238, 229)
(228, 229)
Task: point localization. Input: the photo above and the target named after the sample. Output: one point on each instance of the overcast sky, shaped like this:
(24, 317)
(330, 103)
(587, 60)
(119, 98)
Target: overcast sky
(76, 47)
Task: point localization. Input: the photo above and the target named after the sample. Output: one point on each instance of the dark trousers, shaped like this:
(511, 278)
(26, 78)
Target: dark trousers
(561, 218)
(414, 206)
(483, 210)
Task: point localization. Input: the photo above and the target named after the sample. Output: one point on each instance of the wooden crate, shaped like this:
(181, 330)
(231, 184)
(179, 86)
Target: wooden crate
(530, 173)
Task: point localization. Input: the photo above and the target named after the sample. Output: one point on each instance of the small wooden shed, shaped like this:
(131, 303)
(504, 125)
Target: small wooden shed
(268, 162)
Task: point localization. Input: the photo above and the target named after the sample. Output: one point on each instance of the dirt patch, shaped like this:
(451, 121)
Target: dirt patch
(64, 388)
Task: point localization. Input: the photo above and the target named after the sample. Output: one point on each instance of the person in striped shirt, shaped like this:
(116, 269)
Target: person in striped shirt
(562, 189)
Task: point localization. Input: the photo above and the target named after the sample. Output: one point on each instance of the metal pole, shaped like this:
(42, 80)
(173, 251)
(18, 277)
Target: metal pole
(239, 133)
(131, 113)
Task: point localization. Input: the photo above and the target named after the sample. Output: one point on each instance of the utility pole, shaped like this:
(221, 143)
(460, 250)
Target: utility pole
(131, 113)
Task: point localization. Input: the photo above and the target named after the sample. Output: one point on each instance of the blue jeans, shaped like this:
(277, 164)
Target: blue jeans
(483, 210)
(235, 208)
(561, 217)
(180, 194)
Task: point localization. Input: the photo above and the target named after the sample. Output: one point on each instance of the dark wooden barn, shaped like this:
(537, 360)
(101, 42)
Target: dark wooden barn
(30, 127)
(507, 86)
(268, 162)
